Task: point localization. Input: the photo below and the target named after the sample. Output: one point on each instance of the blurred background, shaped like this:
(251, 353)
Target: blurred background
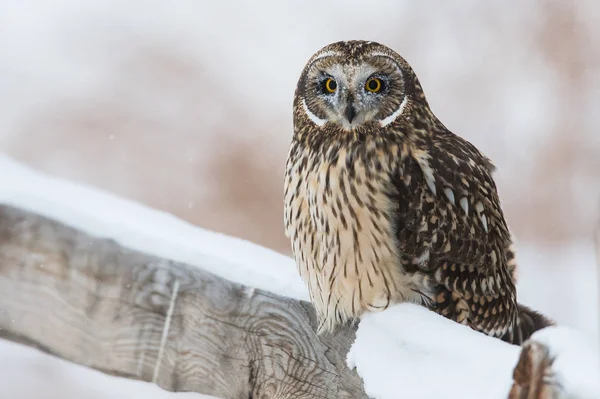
(186, 107)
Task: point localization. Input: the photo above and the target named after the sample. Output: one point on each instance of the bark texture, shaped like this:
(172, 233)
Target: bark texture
(95, 303)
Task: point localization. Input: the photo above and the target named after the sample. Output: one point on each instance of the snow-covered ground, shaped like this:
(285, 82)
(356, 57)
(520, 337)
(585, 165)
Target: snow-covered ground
(408, 351)
(398, 350)
(138, 227)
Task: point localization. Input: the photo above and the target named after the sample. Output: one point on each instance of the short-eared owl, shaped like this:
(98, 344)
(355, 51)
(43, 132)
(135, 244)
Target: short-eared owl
(383, 204)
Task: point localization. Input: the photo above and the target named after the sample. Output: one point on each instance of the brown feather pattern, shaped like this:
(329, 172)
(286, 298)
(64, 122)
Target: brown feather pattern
(408, 211)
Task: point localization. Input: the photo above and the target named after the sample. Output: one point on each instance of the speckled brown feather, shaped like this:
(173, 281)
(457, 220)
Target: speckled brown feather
(403, 212)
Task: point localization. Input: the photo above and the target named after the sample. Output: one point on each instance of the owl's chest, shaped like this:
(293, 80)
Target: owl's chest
(339, 200)
(345, 201)
(339, 218)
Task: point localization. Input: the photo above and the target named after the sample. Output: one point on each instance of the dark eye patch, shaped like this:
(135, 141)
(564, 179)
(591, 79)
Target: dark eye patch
(328, 85)
(376, 84)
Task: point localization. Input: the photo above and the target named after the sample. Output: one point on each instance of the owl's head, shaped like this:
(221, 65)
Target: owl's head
(353, 83)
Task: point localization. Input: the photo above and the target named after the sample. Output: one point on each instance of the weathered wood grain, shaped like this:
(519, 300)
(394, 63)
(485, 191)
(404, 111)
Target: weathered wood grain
(95, 303)
(533, 376)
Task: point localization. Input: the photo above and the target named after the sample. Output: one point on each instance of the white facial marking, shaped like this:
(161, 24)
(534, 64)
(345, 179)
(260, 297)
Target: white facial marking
(400, 109)
(395, 115)
(380, 54)
(464, 204)
(450, 194)
(316, 120)
(324, 54)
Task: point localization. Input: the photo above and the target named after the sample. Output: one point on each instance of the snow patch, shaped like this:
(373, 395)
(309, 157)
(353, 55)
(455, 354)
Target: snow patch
(138, 227)
(409, 351)
(405, 351)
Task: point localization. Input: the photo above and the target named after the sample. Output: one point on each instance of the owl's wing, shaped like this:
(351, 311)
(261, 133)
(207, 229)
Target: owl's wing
(450, 226)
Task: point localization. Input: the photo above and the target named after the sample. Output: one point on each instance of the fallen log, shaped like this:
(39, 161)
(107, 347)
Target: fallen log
(90, 301)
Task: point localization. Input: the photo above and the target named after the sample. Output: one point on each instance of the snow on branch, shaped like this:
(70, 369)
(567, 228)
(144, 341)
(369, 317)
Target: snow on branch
(411, 350)
(109, 284)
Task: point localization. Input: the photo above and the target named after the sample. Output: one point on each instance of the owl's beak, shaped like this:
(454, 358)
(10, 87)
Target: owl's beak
(350, 111)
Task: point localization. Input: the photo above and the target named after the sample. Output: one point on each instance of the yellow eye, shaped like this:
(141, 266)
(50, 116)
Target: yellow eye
(373, 85)
(330, 85)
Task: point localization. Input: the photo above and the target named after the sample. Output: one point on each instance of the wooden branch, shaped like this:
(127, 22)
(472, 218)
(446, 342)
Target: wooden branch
(95, 303)
(533, 377)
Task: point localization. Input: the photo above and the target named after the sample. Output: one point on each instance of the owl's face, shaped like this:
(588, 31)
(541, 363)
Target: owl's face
(353, 83)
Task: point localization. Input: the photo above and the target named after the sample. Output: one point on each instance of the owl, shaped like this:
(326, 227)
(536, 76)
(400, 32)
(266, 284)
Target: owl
(383, 204)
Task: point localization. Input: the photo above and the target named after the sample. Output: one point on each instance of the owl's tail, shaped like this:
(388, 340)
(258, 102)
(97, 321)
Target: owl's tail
(529, 321)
